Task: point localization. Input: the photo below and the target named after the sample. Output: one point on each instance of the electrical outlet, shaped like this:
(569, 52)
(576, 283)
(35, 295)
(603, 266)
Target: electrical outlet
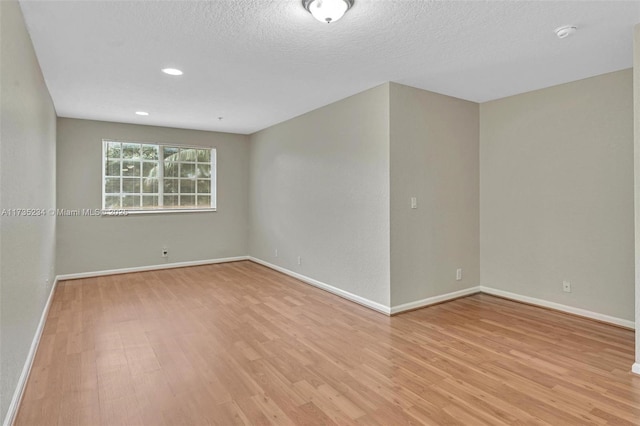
(299, 260)
(414, 203)
(165, 252)
(459, 274)
(276, 252)
(566, 286)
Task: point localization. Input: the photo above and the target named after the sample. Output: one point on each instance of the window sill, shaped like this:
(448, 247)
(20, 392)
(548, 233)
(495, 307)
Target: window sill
(124, 212)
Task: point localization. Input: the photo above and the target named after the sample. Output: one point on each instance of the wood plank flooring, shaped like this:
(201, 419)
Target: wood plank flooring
(238, 343)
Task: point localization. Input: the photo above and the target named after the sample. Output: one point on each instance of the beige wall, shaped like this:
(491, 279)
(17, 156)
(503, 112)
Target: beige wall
(27, 180)
(556, 194)
(320, 190)
(434, 157)
(87, 244)
(636, 133)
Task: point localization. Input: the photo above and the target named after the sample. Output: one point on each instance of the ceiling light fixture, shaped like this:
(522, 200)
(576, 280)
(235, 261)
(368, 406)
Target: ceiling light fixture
(327, 10)
(566, 31)
(142, 113)
(172, 71)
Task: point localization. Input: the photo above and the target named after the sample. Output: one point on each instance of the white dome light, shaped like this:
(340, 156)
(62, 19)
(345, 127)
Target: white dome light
(327, 10)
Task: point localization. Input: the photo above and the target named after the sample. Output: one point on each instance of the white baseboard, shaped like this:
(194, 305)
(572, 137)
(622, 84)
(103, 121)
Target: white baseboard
(433, 300)
(559, 307)
(26, 370)
(446, 297)
(636, 368)
(331, 289)
(149, 268)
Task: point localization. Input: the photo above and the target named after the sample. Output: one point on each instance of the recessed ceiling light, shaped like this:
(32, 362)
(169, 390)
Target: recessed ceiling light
(142, 113)
(172, 71)
(566, 31)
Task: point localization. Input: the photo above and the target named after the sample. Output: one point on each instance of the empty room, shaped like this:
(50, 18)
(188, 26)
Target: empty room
(319, 212)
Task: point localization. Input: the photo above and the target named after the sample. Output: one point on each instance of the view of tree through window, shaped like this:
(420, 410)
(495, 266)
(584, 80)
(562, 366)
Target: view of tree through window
(140, 176)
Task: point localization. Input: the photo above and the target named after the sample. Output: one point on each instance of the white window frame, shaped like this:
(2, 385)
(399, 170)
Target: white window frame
(160, 176)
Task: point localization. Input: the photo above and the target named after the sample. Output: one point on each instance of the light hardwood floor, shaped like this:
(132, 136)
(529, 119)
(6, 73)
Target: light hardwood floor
(238, 343)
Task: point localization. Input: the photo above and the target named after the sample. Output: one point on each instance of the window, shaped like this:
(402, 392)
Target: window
(155, 177)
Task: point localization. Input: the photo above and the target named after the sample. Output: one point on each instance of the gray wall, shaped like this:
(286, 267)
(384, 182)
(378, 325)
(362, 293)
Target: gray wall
(434, 157)
(320, 190)
(27, 180)
(636, 143)
(556, 194)
(86, 244)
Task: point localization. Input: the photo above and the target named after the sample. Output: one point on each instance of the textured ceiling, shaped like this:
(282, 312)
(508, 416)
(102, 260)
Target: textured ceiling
(260, 62)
